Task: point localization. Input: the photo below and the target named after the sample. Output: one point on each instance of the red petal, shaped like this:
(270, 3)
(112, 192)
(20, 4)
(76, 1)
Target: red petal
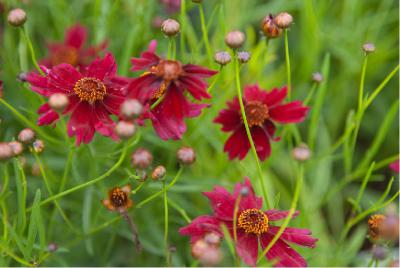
(249, 201)
(275, 96)
(81, 124)
(143, 88)
(297, 236)
(229, 119)
(247, 247)
(292, 112)
(48, 116)
(198, 70)
(261, 142)
(200, 226)
(195, 86)
(62, 78)
(76, 36)
(38, 83)
(276, 215)
(101, 68)
(254, 93)
(222, 203)
(237, 144)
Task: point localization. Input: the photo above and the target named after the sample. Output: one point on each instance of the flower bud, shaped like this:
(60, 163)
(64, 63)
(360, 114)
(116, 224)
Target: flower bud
(317, 77)
(283, 20)
(244, 191)
(379, 252)
(22, 77)
(158, 173)
(243, 56)
(125, 129)
(368, 48)
(212, 239)
(16, 147)
(6, 151)
(208, 255)
(170, 27)
(16, 17)
(52, 247)
(235, 39)
(26, 136)
(222, 57)
(301, 153)
(58, 102)
(141, 158)
(269, 28)
(38, 146)
(131, 109)
(186, 155)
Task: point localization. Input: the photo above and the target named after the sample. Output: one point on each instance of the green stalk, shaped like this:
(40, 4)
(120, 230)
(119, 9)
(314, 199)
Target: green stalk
(288, 72)
(31, 50)
(204, 31)
(183, 24)
(246, 125)
(167, 257)
(311, 93)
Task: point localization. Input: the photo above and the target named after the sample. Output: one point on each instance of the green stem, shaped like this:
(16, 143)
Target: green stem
(31, 50)
(167, 257)
(204, 31)
(15, 257)
(182, 37)
(215, 79)
(246, 125)
(178, 174)
(289, 216)
(311, 93)
(288, 72)
(157, 102)
(180, 210)
(362, 80)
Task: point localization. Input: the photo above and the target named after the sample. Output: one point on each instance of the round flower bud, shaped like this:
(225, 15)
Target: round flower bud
(158, 173)
(379, 252)
(283, 20)
(16, 147)
(235, 39)
(22, 77)
(212, 239)
(244, 191)
(52, 247)
(222, 58)
(243, 56)
(208, 255)
(26, 136)
(58, 102)
(131, 109)
(269, 28)
(301, 153)
(16, 17)
(317, 77)
(38, 146)
(125, 129)
(186, 155)
(368, 48)
(6, 151)
(170, 27)
(141, 158)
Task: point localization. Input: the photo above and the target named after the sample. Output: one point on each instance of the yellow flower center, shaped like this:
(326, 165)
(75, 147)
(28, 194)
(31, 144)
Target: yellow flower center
(253, 221)
(90, 89)
(256, 113)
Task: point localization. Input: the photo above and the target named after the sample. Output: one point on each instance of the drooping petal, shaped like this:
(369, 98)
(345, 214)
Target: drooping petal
(47, 115)
(237, 144)
(198, 71)
(275, 97)
(261, 142)
(247, 247)
(101, 68)
(81, 124)
(195, 86)
(250, 200)
(103, 123)
(297, 236)
(76, 36)
(143, 87)
(200, 226)
(292, 112)
(38, 83)
(222, 203)
(229, 119)
(276, 215)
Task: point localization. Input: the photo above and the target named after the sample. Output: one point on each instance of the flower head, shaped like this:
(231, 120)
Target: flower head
(262, 110)
(254, 227)
(118, 199)
(168, 80)
(94, 94)
(72, 50)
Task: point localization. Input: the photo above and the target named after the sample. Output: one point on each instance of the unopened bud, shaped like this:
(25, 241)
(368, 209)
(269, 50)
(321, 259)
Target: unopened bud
(368, 48)
(235, 39)
(58, 102)
(125, 129)
(283, 20)
(22, 77)
(222, 58)
(158, 173)
(208, 255)
(317, 77)
(243, 56)
(38, 146)
(170, 27)
(186, 155)
(244, 191)
(52, 247)
(212, 239)
(141, 158)
(26, 136)
(16, 147)
(6, 151)
(301, 153)
(269, 28)
(131, 109)
(16, 17)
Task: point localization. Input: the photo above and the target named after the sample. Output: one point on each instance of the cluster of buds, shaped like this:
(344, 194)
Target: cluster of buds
(26, 137)
(130, 110)
(273, 26)
(207, 249)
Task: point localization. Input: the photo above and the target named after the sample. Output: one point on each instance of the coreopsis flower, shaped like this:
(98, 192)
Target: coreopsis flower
(254, 227)
(169, 80)
(262, 110)
(94, 94)
(118, 199)
(72, 50)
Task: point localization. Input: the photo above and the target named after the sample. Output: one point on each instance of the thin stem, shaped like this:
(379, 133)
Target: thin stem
(311, 93)
(134, 191)
(253, 148)
(157, 102)
(170, 49)
(215, 79)
(134, 230)
(180, 210)
(31, 50)
(204, 31)
(178, 174)
(362, 80)
(15, 257)
(167, 257)
(289, 216)
(288, 72)
(182, 35)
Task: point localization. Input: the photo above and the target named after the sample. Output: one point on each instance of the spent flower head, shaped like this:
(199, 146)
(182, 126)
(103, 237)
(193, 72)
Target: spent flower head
(118, 199)
(269, 27)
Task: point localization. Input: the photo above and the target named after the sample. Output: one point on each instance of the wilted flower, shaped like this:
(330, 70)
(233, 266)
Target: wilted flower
(118, 199)
(262, 110)
(16, 17)
(167, 81)
(38, 146)
(235, 39)
(170, 27)
(93, 95)
(141, 158)
(269, 27)
(186, 155)
(26, 136)
(253, 227)
(375, 225)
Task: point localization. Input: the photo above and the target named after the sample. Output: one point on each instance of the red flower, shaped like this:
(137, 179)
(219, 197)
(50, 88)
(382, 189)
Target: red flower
(94, 94)
(253, 226)
(395, 166)
(72, 50)
(262, 110)
(170, 80)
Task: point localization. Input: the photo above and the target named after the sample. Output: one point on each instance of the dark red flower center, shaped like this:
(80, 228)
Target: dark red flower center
(90, 89)
(118, 197)
(65, 55)
(253, 221)
(168, 69)
(256, 113)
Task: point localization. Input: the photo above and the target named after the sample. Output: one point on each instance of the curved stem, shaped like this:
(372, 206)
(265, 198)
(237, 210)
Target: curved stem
(204, 31)
(288, 72)
(31, 50)
(253, 148)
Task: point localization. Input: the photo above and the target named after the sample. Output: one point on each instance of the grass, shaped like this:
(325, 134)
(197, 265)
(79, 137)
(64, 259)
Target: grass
(352, 130)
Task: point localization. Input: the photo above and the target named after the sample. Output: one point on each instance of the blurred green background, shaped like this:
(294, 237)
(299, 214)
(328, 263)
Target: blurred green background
(333, 30)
